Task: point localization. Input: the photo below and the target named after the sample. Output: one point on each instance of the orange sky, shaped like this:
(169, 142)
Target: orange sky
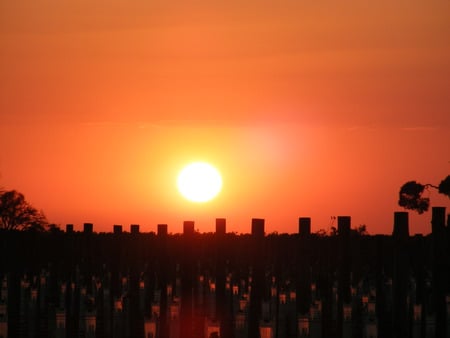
(307, 108)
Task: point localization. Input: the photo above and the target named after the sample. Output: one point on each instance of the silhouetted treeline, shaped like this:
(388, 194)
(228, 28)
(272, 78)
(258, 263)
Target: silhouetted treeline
(29, 252)
(62, 253)
(314, 267)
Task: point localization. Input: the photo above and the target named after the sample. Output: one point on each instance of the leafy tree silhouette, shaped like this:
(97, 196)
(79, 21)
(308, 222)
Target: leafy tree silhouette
(410, 195)
(17, 214)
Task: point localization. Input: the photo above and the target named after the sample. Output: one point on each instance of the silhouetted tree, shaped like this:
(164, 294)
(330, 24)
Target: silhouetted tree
(361, 230)
(54, 228)
(324, 233)
(320, 233)
(333, 231)
(410, 195)
(17, 214)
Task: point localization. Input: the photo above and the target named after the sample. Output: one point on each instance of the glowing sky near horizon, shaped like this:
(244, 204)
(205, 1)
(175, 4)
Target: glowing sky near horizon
(307, 109)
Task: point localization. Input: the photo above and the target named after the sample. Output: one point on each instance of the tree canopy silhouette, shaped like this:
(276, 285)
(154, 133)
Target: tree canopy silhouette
(17, 214)
(411, 194)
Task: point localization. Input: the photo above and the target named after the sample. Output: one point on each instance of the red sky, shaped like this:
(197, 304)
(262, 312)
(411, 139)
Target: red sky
(307, 108)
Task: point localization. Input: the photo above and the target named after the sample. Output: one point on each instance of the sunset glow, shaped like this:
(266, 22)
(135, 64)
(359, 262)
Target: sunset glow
(307, 108)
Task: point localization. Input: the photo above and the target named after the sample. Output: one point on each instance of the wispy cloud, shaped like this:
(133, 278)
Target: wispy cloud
(419, 128)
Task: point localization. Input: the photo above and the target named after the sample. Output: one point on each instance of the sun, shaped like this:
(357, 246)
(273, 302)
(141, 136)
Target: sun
(199, 182)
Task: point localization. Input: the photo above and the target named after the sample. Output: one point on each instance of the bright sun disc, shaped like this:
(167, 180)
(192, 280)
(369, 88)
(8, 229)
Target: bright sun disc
(199, 182)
